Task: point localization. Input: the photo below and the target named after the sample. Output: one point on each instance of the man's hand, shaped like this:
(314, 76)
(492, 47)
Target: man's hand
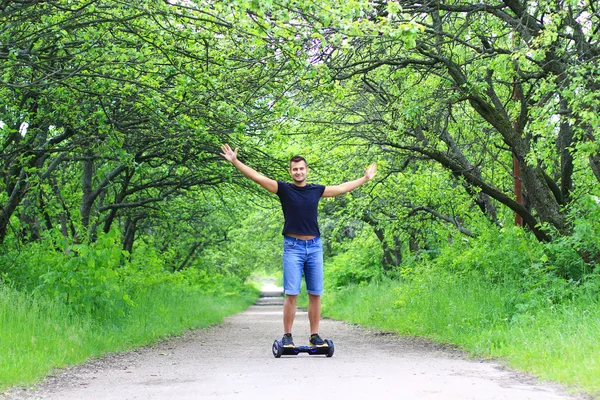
(371, 171)
(228, 154)
(231, 156)
(345, 187)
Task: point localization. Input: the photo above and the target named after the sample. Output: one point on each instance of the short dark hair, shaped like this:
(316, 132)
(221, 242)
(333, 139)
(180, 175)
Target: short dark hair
(297, 159)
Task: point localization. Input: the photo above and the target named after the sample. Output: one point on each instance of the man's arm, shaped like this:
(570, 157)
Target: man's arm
(331, 191)
(231, 156)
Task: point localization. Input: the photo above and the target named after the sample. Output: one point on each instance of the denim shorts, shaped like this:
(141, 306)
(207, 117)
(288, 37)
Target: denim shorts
(302, 257)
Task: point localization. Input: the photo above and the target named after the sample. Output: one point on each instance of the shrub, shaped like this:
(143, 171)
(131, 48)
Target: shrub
(361, 263)
(495, 255)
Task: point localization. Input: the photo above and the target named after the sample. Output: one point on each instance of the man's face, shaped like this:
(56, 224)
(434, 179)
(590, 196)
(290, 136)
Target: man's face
(298, 171)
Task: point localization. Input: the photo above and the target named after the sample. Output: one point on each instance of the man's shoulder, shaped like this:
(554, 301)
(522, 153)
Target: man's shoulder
(282, 185)
(316, 186)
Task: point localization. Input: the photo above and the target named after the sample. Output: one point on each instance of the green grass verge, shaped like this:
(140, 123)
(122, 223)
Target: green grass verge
(554, 342)
(38, 335)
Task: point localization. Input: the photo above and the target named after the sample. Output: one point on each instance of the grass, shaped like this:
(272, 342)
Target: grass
(38, 335)
(560, 345)
(557, 342)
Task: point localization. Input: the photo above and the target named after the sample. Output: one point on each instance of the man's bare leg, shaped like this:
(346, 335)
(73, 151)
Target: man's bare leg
(314, 313)
(289, 312)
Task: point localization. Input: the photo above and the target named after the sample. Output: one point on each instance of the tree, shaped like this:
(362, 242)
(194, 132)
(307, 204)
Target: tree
(450, 99)
(136, 97)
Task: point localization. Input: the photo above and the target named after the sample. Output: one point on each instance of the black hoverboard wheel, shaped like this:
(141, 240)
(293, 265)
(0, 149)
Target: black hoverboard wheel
(331, 348)
(277, 349)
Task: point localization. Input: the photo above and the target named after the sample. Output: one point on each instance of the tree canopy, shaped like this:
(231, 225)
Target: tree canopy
(113, 113)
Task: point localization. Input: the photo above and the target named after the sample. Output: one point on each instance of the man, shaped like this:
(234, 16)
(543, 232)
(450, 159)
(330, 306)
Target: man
(303, 250)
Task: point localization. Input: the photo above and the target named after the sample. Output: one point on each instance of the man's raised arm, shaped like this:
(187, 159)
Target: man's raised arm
(231, 156)
(331, 191)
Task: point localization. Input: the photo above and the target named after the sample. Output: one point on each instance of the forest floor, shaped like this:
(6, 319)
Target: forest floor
(233, 360)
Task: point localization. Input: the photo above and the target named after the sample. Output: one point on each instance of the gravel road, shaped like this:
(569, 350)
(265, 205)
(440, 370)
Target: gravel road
(233, 360)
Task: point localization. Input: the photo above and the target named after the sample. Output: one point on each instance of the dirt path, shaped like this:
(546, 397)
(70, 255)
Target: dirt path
(234, 361)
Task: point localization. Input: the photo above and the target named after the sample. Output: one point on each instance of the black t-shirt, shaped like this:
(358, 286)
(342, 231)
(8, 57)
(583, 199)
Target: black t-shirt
(299, 205)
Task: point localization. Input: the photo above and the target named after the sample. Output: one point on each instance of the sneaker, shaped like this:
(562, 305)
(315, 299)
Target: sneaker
(287, 340)
(315, 340)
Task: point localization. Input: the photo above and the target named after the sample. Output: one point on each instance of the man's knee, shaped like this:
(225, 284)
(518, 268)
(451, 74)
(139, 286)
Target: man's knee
(290, 298)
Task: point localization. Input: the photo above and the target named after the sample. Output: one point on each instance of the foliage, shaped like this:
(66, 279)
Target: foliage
(254, 244)
(360, 263)
(471, 106)
(576, 255)
(99, 279)
(114, 114)
(497, 256)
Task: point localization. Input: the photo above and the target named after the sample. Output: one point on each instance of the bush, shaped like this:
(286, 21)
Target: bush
(360, 264)
(495, 255)
(99, 279)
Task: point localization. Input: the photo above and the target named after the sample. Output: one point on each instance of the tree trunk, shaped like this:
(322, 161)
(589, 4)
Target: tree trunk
(563, 144)
(30, 226)
(189, 256)
(86, 185)
(66, 222)
(392, 255)
(130, 231)
(595, 165)
(118, 200)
